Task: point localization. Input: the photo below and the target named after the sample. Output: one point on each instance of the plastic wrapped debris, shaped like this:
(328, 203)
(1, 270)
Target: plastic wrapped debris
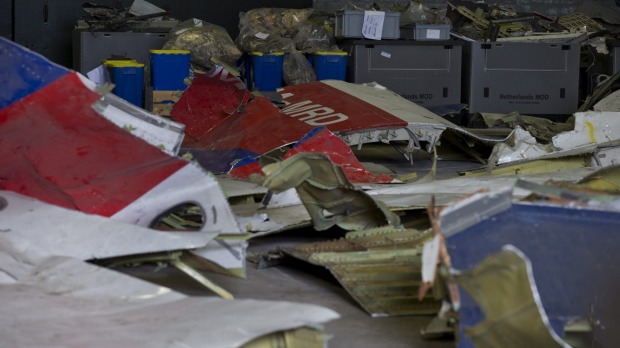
(269, 29)
(312, 37)
(417, 13)
(297, 69)
(204, 41)
(256, 41)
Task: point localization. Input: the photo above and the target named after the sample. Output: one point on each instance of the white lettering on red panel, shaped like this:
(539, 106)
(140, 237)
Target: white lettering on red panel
(314, 114)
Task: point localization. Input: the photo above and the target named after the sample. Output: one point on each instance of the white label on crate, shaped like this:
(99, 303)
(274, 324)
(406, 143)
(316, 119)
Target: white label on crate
(261, 36)
(433, 34)
(386, 54)
(373, 24)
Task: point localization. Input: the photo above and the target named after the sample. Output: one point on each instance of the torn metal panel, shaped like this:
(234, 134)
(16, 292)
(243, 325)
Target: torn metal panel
(380, 268)
(261, 221)
(575, 244)
(323, 141)
(77, 159)
(18, 82)
(190, 184)
(358, 114)
(283, 211)
(591, 127)
(504, 287)
(74, 157)
(365, 113)
(522, 145)
(346, 250)
(417, 196)
(33, 227)
(326, 193)
(610, 103)
(208, 101)
(591, 130)
(600, 92)
(575, 195)
(541, 128)
(181, 260)
(230, 253)
(573, 159)
(386, 289)
(608, 156)
(157, 131)
(305, 337)
(65, 302)
(605, 179)
(462, 214)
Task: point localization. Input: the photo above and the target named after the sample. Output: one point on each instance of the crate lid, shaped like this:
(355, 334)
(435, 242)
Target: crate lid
(267, 54)
(330, 53)
(169, 51)
(122, 64)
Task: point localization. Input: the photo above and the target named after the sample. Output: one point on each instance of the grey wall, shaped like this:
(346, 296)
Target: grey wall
(6, 18)
(45, 26)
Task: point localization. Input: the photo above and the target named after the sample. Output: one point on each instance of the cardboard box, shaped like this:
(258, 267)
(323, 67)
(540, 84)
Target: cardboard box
(163, 101)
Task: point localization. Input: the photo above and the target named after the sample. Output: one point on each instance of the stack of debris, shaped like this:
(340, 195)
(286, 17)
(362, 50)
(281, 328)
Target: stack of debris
(296, 158)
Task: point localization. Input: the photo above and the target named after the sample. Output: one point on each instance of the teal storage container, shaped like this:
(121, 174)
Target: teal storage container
(267, 70)
(169, 69)
(128, 79)
(329, 65)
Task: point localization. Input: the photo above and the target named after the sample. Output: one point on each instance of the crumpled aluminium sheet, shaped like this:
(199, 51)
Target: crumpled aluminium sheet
(327, 194)
(592, 130)
(504, 287)
(573, 253)
(64, 302)
(357, 114)
(31, 227)
(56, 146)
(60, 143)
(52, 298)
(418, 195)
